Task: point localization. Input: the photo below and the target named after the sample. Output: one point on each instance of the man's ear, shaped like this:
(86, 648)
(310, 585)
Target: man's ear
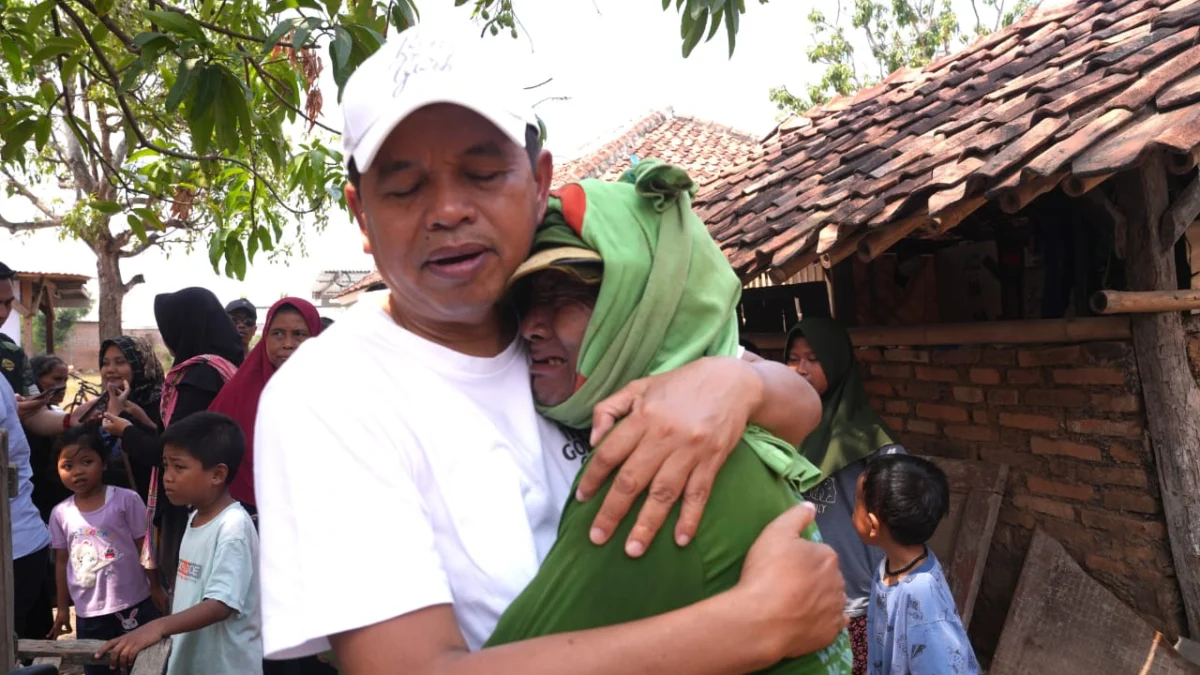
(543, 175)
(354, 201)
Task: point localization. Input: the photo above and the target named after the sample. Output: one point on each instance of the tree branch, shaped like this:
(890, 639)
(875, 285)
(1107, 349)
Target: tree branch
(145, 142)
(112, 26)
(28, 194)
(266, 78)
(29, 225)
(210, 26)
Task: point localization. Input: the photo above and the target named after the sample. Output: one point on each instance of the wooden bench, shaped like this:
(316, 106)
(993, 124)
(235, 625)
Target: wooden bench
(61, 653)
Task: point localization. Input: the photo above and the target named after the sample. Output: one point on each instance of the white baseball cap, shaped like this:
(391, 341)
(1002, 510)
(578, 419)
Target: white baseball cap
(419, 67)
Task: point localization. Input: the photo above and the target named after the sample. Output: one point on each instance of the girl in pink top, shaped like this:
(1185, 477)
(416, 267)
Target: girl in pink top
(97, 536)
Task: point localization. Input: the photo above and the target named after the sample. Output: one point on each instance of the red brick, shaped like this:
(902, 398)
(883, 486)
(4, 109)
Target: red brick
(1122, 453)
(898, 372)
(1105, 428)
(1021, 519)
(1138, 502)
(1075, 538)
(945, 413)
(1095, 376)
(968, 394)
(906, 355)
(956, 357)
(1024, 377)
(1117, 404)
(1134, 478)
(980, 417)
(1122, 526)
(893, 422)
(1047, 446)
(878, 388)
(985, 376)
(897, 407)
(1056, 398)
(1057, 356)
(921, 390)
(1003, 397)
(869, 354)
(1000, 357)
(931, 374)
(1029, 422)
(1046, 506)
(923, 427)
(1138, 554)
(1109, 351)
(1053, 488)
(1099, 563)
(975, 433)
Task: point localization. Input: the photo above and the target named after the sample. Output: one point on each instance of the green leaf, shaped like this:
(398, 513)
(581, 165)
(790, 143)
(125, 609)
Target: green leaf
(216, 249)
(133, 74)
(149, 217)
(300, 39)
(235, 258)
(282, 28)
(185, 81)
(209, 83)
(332, 7)
(15, 140)
(252, 243)
(264, 239)
(175, 22)
(731, 28)
(71, 65)
(41, 134)
(715, 24)
(107, 208)
(666, 5)
(697, 32)
(54, 47)
(340, 46)
(104, 6)
(135, 224)
(38, 14)
(12, 54)
(403, 15)
(201, 129)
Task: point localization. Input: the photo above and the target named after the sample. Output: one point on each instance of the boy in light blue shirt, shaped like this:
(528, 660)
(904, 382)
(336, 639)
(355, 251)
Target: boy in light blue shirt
(913, 627)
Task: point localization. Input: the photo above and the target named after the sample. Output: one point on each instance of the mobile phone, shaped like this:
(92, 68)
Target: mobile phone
(49, 393)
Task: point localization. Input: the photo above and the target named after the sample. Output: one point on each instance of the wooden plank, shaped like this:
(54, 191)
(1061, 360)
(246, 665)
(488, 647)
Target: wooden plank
(8, 625)
(1181, 214)
(48, 661)
(1168, 388)
(1064, 622)
(964, 538)
(152, 661)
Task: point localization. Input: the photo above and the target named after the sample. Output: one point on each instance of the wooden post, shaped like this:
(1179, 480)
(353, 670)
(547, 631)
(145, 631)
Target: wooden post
(1172, 398)
(8, 624)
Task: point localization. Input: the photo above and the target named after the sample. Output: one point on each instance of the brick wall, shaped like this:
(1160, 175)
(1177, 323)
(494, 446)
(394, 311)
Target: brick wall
(1068, 422)
(82, 347)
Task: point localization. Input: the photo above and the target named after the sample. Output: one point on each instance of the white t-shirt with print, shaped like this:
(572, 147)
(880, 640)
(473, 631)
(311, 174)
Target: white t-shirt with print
(394, 474)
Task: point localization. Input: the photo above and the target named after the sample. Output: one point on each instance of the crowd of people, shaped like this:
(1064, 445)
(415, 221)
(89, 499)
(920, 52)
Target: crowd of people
(567, 464)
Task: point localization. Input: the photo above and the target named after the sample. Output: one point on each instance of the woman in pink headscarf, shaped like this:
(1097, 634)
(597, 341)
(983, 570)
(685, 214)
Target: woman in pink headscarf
(290, 322)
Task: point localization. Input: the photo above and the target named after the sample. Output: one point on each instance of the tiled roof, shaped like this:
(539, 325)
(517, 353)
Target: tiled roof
(1069, 94)
(704, 148)
(333, 283)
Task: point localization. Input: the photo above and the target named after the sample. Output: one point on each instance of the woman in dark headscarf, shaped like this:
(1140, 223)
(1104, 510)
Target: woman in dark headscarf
(128, 361)
(202, 339)
(850, 434)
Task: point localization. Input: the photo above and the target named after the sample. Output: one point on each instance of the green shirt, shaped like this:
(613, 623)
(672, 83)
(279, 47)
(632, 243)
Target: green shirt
(14, 365)
(582, 586)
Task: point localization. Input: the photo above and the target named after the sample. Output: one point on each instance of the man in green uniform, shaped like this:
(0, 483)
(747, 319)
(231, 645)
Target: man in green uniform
(14, 365)
(634, 256)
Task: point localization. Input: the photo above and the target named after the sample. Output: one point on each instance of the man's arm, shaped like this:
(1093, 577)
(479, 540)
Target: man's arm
(773, 613)
(45, 422)
(676, 431)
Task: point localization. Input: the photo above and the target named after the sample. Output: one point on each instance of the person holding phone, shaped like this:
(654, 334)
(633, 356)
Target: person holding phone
(50, 372)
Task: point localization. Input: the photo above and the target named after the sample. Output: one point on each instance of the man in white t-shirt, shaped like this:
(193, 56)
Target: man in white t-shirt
(398, 531)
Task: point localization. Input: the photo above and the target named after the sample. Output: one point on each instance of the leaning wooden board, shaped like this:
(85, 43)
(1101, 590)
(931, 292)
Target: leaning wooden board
(8, 632)
(152, 661)
(964, 538)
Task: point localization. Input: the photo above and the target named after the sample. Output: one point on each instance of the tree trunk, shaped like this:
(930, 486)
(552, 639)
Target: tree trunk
(112, 289)
(1172, 399)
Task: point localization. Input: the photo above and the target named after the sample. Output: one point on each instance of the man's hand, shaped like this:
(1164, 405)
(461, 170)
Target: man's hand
(676, 431)
(123, 650)
(62, 624)
(114, 425)
(793, 586)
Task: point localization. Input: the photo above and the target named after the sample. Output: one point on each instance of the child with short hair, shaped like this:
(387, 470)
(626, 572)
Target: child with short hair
(912, 623)
(215, 626)
(96, 534)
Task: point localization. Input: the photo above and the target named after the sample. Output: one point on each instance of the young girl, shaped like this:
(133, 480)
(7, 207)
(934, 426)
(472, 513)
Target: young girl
(97, 535)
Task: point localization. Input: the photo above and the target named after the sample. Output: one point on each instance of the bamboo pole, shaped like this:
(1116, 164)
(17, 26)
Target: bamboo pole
(1144, 302)
(1012, 201)
(1078, 187)
(951, 217)
(842, 250)
(1036, 331)
(884, 237)
(1180, 163)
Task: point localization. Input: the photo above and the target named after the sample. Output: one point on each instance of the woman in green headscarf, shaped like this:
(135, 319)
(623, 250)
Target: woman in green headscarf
(626, 283)
(850, 433)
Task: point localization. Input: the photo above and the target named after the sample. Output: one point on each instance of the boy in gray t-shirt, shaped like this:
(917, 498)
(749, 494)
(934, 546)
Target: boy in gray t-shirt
(215, 626)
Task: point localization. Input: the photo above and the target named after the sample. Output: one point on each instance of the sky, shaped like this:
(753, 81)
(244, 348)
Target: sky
(615, 60)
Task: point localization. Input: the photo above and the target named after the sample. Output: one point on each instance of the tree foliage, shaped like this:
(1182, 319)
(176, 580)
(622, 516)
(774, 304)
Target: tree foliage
(897, 34)
(134, 125)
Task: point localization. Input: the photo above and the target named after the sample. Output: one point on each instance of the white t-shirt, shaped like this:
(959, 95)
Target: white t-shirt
(29, 532)
(393, 474)
(217, 562)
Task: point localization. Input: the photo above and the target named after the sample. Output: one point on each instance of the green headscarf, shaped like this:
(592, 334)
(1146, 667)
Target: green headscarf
(850, 428)
(654, 312)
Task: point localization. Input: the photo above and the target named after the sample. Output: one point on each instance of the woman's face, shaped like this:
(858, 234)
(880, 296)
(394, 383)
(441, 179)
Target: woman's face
(554, 325)
(284, 335)
(55, 377)
(803, 360)
(115, 368)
